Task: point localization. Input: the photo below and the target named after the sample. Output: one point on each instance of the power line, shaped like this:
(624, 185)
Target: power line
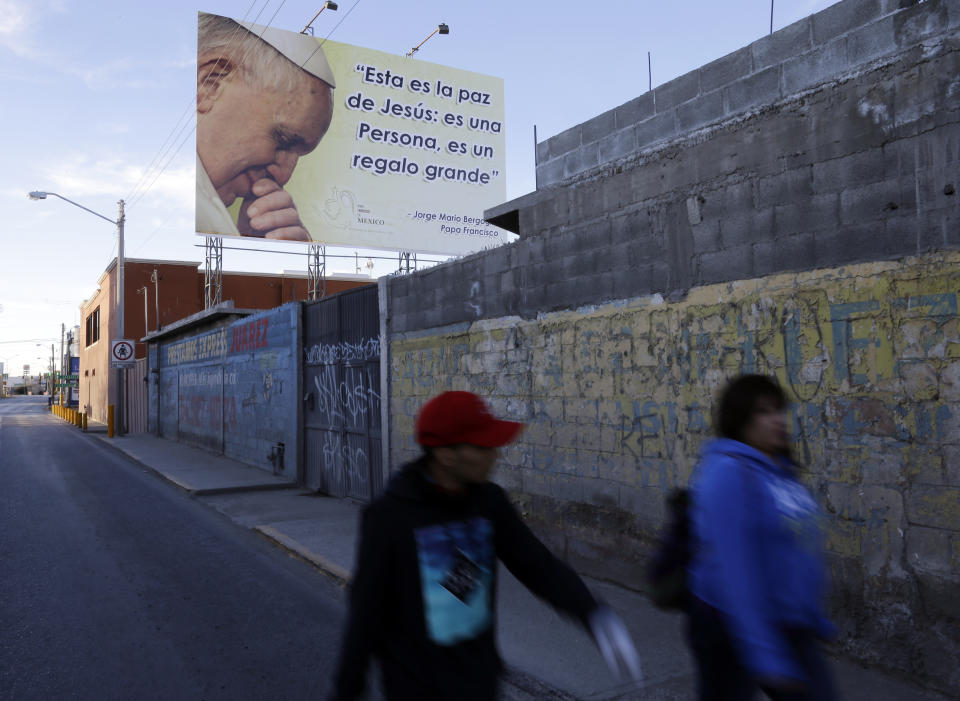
(172, 136)
(320, 45)
(250, 47)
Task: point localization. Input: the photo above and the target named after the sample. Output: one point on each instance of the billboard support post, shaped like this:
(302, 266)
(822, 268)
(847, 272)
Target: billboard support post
(406, 266)
(213, 272)
(317, 271)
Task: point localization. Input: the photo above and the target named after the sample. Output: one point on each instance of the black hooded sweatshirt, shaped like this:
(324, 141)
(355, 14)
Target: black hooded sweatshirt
(424, 590)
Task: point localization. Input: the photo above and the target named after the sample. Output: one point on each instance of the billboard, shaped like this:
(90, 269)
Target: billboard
(399, 154)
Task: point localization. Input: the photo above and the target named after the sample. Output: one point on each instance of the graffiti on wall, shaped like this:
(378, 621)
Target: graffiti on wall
(620, 397)
(331, 353)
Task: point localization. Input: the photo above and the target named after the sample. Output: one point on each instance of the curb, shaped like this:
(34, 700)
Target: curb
(190, 489)
(339, 574)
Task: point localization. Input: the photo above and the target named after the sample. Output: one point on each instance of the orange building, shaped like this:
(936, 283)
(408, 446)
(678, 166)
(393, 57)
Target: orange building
(150, 304)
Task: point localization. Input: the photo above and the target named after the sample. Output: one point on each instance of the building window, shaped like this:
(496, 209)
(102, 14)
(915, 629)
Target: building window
(93, 327)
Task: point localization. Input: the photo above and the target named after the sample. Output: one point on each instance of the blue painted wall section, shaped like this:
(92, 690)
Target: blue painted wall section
(233, 390)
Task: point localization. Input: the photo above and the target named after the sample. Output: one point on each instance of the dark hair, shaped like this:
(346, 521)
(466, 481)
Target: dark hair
(738, 402)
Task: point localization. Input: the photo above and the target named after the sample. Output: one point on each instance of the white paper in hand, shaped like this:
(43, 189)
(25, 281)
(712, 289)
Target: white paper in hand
(615, 644)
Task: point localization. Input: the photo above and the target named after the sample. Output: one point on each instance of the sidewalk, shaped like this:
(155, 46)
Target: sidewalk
(546, 656)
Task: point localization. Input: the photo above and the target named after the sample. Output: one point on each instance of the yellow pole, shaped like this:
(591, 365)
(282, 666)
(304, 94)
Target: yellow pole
(110, 421)
(84, 421)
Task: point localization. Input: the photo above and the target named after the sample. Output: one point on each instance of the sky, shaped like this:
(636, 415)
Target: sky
(98, 105)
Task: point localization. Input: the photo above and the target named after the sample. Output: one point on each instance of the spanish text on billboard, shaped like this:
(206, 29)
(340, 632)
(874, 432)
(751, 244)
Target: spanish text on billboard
(305, 140)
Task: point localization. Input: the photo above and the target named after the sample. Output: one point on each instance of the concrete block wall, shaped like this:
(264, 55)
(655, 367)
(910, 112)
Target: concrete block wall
(827, 46)
(234, 390)
(814, 235)
(619, 397)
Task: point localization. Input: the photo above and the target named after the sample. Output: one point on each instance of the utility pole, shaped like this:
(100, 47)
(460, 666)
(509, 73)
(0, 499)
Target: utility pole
(156, 294)
(121, 372)
(146, 321)
(63, 329)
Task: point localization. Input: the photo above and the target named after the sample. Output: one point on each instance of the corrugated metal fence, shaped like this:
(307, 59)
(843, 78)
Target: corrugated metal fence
(137, 398)
(341, 380)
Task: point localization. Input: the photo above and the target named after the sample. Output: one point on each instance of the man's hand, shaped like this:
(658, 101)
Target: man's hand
(271, 214)
(616, 646)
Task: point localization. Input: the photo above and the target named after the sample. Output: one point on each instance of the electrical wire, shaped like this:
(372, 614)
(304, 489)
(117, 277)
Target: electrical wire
(323, 41)
(243, 58)
(178, 128)
(249, 48)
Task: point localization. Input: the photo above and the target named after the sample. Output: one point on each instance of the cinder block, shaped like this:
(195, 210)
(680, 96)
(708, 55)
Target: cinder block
(733, 263)
(839, 174)
(706, 236)
(635, 111)
(629, 281)
(583, 159)
(618, 145)
(871, 202)
(598, 127)
(726, 70)
(783, 44)
(543, 151)
(759, 89)
(587, 202)
(787, 253)
(792, 186)
(849, 243)
(677, 91)
(935, 507)
(843, 17)
(628, 227)
(872, 41)
(814, 67)
(548, 173)
(815, 213)
(564, 142)
(554, 210)
(617, 192)
(700, 111)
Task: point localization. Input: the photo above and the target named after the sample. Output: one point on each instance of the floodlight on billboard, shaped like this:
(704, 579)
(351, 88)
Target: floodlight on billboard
(342, 145)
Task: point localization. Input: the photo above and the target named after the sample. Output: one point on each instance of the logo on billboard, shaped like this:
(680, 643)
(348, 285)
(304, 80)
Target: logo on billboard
(365, 148)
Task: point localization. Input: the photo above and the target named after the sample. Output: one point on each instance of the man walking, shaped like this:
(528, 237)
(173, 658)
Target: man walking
(422, 598)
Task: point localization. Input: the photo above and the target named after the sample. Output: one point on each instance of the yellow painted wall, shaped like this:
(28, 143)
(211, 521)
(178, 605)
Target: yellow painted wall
(619, 399)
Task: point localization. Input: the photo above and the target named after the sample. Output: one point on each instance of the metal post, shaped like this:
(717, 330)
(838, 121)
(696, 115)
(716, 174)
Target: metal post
(316, 271)
(213, 272)
(156, 294)
(536, 161)
(649, 73)
(121, 372)
(406, 267)
(63, 365)
(771, 16)
(146, 315)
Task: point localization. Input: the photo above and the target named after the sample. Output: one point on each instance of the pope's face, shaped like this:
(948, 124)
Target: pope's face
(248, 133)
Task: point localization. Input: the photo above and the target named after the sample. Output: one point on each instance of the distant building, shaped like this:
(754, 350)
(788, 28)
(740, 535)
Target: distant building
(179, 290)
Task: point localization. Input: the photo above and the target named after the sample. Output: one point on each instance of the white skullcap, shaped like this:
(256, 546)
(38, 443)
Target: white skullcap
(303, 50)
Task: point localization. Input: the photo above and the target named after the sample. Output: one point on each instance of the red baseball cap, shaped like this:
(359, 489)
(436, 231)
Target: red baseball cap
(462, 417)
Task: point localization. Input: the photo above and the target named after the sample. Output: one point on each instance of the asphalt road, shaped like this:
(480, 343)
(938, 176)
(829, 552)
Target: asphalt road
(113, 585)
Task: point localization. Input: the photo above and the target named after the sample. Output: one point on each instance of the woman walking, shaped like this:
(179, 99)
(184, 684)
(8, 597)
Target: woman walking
(757, 575)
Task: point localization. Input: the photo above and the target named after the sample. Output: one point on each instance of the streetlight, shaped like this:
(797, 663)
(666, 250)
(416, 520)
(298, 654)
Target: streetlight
(41, 195)
(441, 29)
(326, 6)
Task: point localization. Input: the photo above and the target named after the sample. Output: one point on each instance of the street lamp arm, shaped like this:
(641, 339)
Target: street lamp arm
(43, 195)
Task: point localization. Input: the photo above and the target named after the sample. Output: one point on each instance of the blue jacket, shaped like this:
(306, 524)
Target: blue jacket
(758, 553)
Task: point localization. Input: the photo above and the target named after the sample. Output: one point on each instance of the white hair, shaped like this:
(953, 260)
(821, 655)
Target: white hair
(260, 65)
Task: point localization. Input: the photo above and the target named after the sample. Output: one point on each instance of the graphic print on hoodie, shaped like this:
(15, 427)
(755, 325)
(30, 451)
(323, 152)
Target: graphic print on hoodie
(456, 574)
